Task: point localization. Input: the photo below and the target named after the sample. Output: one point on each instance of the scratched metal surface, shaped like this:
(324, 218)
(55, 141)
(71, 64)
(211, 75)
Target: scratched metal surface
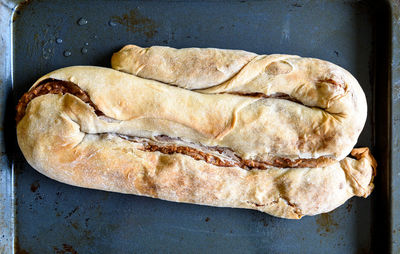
(52, 217)
(6, 172)
(395, 130)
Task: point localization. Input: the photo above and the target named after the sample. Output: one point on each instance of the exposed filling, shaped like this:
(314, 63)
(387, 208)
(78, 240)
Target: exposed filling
(52, 86)
(219, 156)
(282, 96)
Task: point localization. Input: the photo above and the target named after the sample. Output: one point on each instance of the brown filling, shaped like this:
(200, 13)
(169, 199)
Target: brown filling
(282, 96)
(340, 84)
(53, 86)
(234, 160)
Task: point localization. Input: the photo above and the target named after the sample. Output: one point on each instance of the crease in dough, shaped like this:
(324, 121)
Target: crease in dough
(89, 122)
(110, 163)
(175, 65)
(256, 128)
(208, 107)
(314, 83)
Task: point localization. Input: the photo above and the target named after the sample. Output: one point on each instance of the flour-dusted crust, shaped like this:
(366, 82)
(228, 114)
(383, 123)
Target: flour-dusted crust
(337, 107)
(55, 140)
(191, 68)
(256, 128)
(203, 126)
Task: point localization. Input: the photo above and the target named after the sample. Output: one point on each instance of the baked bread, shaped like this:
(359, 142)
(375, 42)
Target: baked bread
(319, 108)
(100, 128)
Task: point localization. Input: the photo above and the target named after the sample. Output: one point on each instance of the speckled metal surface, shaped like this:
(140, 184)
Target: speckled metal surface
(52, 217)
(395, 130)
(7, 222)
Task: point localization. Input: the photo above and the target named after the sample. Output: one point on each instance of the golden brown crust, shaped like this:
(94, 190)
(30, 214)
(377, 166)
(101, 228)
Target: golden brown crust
(258, 129)
(52, 86)
(361, 181)
(322, 119)
(311, 82)
(107, 162)
(185, 67)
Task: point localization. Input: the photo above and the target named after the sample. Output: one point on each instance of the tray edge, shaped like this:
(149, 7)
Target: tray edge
(7, 201)
(394, 78)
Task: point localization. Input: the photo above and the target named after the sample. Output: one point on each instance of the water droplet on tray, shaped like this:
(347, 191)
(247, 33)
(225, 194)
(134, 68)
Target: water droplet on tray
(86, 43)
(67, 53)
(47, 50)
(59, 40)
(46, 54)
(112, 23)
(82, 21)
(84, 50)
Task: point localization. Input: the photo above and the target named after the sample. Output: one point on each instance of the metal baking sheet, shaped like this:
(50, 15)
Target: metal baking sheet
(39, 215)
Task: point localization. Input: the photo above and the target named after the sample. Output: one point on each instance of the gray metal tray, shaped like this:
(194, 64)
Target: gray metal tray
(39, 215)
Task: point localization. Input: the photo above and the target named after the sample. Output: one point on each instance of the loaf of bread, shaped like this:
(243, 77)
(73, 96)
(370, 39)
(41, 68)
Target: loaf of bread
(311, 108)
(212, 127)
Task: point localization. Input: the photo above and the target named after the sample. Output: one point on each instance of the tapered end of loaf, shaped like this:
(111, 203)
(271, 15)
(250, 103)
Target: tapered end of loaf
(361, 172)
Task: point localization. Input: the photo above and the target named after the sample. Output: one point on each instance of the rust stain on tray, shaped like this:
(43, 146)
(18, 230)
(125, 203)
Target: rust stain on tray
(66, 248)
(20, 8)
(71, 212)
(34, 186)
(135, 22)
(75, 225)
(17, 248)
(326, 224)
(22, 251)
(349, 205)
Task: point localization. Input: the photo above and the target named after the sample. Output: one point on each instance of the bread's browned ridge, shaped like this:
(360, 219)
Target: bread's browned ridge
(229, 146)
(53, 86)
